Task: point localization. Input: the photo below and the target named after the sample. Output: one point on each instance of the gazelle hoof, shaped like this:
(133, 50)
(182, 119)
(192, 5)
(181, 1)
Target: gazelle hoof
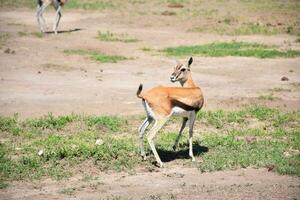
(193, 159)
(160, 165)
(174, 148)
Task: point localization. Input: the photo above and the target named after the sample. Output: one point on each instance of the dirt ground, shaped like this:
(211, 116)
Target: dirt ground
(39, 78)
(167, 183)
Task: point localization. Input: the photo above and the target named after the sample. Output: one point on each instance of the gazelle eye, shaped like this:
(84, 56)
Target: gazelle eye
(183, 69)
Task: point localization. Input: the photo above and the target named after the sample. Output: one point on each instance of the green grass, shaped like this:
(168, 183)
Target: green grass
(231, 49)
(91, 5)
(226, 28)
(229, 153)
(18, 3)
(97, 56)
(113, 37)
(51, 146)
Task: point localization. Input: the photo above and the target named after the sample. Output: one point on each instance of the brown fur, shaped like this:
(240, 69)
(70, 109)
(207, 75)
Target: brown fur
(169, 97)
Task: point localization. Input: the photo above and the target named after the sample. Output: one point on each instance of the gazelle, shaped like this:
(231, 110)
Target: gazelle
(42, 5)
(161, 103)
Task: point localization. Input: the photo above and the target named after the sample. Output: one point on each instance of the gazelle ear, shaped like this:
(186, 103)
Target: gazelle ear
(190, 62)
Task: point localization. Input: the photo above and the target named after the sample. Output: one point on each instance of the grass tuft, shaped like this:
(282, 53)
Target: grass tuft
(90, 5)
(97, 56)
(113, 37)
(231, 49)
(269, 97)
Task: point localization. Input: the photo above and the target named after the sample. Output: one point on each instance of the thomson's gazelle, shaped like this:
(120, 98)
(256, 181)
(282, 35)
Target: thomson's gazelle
(42, 5)
(162, 102)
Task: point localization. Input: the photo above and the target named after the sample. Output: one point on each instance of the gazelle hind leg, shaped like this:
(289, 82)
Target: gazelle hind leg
(57, 18)
(184, 120)
(142, 130)
(38, 17)
(192, 119)
(156, 127)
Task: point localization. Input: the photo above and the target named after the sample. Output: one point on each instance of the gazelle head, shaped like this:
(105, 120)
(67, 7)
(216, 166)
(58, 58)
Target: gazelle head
(181, 72)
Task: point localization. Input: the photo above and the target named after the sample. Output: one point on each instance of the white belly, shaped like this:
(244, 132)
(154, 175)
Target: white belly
(179, 111)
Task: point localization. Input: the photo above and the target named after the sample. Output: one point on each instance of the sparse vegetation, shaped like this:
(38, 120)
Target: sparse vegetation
(38, 34)
(18, 3)
(280, 90)
(67, 191)
(146, 49)
(94, 55)
(226, 27)
(231, 49)
(51, 146)
(295, 84)
(3, 38)
(56, 67)
(90, 5)
(269, 97)
(113, 37)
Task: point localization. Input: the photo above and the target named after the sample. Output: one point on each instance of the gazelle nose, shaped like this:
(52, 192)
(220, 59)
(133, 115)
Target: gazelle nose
(172, 78)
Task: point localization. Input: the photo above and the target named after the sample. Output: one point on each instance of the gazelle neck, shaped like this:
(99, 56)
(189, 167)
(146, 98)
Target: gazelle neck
(188, 82)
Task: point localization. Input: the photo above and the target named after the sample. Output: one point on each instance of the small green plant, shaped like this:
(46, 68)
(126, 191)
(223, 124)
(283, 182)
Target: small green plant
(113, 37)
(231, 49)
(146, 49)
(38, 34)
(97, 56)
(68, 191)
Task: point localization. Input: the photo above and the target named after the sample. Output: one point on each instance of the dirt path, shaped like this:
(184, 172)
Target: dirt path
(39, 78)
(167, 183)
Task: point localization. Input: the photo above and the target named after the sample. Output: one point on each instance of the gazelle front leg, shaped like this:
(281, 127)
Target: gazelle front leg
(184, 120)
(192, 119)
(156, 127)
(142, 129)
(39, 14)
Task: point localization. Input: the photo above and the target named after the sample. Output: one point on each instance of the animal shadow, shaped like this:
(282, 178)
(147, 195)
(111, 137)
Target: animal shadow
(65, 31)
(181, 153)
